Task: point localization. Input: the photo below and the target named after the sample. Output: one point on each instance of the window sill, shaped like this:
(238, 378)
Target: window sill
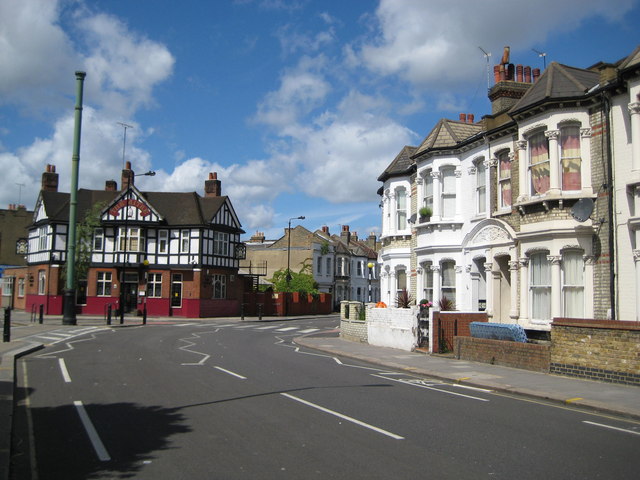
(547, 198)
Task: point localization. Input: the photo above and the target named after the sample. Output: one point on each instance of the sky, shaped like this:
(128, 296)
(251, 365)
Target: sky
(298, 105)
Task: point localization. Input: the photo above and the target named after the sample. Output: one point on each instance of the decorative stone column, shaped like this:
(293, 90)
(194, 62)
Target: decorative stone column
(585, 154)
(554, 162)
(523, 189)
(513, 270)
(634, 112)
(458, 174)
(556, 286)
(524, 290)
(488, 269)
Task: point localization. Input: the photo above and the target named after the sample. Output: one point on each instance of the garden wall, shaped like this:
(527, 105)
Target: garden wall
(527, 356)
(604, 350)
(393, 327)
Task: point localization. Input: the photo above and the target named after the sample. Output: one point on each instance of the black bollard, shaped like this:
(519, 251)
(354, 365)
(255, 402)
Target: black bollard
(259, 311)
(242, 311)
(109, 314)
(41, 315)
(144, 314)
(6, 335)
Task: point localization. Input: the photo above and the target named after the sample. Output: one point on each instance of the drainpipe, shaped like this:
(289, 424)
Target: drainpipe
(69, 314)
(610, 187)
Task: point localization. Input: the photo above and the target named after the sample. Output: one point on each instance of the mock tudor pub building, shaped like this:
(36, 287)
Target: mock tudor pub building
(173, 253)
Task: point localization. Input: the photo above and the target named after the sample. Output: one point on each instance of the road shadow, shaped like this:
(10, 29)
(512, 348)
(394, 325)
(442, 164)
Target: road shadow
(61, 447)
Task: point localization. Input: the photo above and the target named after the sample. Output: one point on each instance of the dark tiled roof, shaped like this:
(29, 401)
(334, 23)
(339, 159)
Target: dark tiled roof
(400, 165)
(448, 134)
(558, 82)
(176, 208)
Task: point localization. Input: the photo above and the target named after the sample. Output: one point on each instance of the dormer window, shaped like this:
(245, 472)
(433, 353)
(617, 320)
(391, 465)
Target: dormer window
(539, 171)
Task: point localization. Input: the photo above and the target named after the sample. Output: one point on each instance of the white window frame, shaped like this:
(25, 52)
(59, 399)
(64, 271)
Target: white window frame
(163, 241)
(154, 285)
(134, 239)
(98, 239)
(448, 290)
(481, 187)
(568, 158)
(184, 241)
(221, 243)
(427, 280)
(573, 289)
(103, 284)
(447, 196)
(538, 287)
(21, 287)
(503, 182)
(427, 200)
(401, 208)
(328, 265)
(43, 238)
(531, 166)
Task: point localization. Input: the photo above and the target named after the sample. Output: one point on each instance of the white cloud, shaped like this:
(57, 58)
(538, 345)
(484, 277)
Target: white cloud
(434, 44)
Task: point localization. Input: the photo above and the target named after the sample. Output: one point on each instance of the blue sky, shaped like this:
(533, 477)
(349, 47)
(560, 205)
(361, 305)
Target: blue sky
(298, 105)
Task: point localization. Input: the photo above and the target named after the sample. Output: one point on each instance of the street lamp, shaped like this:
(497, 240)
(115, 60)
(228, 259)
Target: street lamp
(370, 265)
(150, 173)
(288, 277)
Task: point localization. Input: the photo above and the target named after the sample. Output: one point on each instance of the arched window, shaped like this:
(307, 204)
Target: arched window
(539, 172)
(570, 157)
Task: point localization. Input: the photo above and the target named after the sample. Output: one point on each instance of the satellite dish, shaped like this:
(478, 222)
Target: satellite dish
(582, 209)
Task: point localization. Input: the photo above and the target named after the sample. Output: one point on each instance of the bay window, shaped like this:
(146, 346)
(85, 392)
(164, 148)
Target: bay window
(481, 186)
(130, 239)
(428, 191)
(427, 281)
(448, 278)
(221, 243)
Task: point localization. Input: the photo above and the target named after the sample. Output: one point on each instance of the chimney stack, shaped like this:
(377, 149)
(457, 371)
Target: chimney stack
(111, 186)
(212, 186)
(128, 176)
(345, 235)
(50, 179)
(257, 238)
(325, 229)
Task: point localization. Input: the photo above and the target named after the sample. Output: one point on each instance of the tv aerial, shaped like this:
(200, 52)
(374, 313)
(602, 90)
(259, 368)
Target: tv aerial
(487, 55)
(544, 57)
(582, 209)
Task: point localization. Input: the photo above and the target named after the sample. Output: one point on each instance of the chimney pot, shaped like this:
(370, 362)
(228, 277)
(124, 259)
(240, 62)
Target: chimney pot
(470, 117)
(527, 74)
(496, 73)
(519, 73)
(463, 117)
(536, 74)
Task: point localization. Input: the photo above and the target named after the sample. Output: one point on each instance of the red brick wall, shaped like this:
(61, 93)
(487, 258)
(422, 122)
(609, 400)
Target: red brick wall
(447, 325)
(527, 356)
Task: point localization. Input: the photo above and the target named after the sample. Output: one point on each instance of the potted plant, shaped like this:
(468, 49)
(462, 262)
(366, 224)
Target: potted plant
(424, 307)
(425, 213)
(404, 299)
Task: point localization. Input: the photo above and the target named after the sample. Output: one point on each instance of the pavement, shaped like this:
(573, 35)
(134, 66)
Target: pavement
(610, 398)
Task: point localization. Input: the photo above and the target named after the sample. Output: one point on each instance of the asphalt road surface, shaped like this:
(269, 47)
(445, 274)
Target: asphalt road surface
(231, 400)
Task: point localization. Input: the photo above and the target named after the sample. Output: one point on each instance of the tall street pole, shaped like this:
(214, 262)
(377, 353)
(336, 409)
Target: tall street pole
(288, 277)
(69, 311)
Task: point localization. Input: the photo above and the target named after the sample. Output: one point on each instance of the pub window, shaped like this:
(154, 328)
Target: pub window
(103, 288)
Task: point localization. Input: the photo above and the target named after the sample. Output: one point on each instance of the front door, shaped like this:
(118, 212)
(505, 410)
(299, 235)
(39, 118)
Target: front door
(130, 292)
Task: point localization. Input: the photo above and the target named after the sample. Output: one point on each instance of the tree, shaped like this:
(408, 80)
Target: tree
(84, 243)
(302, 281)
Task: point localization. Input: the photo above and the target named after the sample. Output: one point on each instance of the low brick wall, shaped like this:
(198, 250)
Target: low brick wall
(602, 350)
(353, 330)
(446, 325)
(527, 356)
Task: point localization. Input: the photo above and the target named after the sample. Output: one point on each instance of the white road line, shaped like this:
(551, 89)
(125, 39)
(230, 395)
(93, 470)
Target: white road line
(611, 427)
(242, 326)
(309, 330)
(63, 369)
(286, 329)
(268, 327)
(57, 339)
(102, 453)
(415, 384)
(230, 373)
(345, 417)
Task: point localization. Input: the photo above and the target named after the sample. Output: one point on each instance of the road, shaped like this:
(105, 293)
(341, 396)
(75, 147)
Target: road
(227, 400)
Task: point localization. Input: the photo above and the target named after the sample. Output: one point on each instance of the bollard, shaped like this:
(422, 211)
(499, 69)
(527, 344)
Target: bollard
(109, 314)
(259, 311)
(6, 335)
(41, 316)
(144, 314)
(242, 311)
